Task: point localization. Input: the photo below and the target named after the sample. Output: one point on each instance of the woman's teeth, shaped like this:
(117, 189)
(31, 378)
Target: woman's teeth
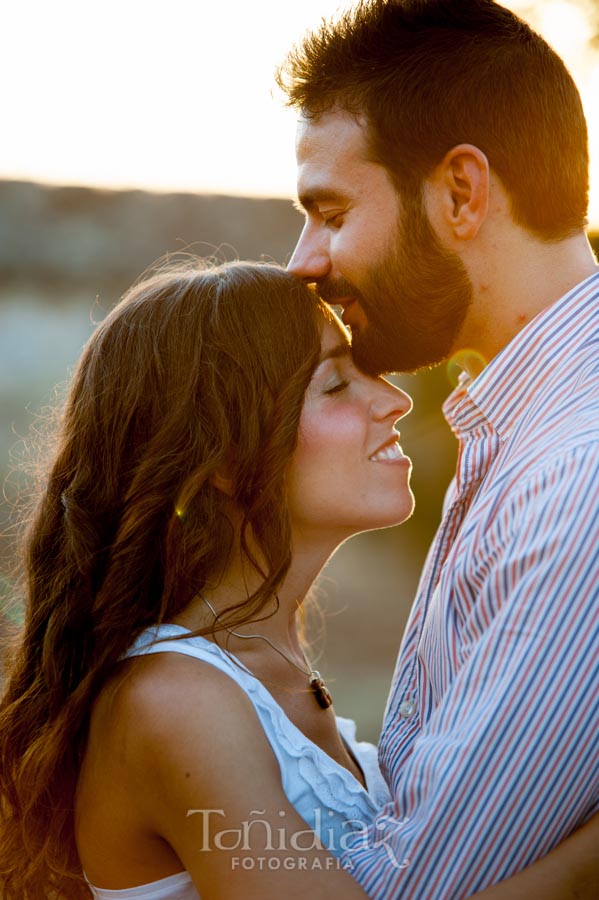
(391, 452)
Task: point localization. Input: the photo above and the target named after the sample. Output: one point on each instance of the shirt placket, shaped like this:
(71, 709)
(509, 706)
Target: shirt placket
(478, 448)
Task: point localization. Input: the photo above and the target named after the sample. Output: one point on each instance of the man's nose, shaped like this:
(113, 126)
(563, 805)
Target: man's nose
(310, 259)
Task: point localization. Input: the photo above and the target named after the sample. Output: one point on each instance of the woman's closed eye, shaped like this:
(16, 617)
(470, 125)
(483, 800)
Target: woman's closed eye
(337, 387)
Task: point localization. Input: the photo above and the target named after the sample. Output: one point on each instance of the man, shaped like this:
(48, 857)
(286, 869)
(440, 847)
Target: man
(443, 170)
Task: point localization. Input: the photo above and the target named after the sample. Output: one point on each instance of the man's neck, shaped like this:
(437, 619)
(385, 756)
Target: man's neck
(513, 282)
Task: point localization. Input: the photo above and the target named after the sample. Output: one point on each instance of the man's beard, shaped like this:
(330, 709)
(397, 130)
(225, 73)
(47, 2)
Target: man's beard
(415, 300)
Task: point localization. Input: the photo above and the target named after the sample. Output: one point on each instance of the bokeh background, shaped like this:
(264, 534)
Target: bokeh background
(132, 130)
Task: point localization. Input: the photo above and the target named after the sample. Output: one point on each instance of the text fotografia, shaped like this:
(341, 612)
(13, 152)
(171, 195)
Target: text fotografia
(289, 863)
(259, 833)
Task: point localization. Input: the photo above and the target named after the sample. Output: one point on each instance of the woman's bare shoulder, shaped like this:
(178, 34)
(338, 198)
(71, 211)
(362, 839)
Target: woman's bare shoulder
(170, 726)
(169, 695)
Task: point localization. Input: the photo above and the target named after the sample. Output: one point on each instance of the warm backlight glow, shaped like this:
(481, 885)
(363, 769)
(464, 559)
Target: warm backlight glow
(569, 27)
(181, 96)
(565, 25)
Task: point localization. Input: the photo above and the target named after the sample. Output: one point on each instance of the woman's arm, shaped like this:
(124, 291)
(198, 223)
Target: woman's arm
(204, 778)
(569, 872)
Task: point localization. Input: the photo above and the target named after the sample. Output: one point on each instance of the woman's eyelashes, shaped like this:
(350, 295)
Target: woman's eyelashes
(336, 375)
(337, 387)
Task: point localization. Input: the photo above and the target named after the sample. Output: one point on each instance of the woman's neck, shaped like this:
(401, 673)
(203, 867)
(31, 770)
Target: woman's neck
(278, 621)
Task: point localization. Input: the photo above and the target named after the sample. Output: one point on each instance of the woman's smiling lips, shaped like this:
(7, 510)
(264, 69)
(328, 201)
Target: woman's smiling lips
(390, 452)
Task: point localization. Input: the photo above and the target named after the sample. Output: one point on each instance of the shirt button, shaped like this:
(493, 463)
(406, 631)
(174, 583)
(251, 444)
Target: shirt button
(407, 708)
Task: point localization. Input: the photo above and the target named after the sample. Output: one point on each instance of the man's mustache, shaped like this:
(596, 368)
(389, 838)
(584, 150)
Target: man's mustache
(333, 290)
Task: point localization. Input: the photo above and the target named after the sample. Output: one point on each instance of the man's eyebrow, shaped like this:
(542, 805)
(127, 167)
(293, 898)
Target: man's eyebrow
(339, 350)
(299, 205)
(308, 199)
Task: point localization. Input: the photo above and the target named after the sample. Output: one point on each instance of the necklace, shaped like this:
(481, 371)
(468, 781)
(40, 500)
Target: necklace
(315, 680)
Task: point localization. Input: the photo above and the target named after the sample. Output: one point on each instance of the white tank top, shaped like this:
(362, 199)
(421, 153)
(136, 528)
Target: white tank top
(326, 795)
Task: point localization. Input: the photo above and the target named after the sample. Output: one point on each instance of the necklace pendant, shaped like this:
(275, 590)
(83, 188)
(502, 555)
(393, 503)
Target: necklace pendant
(320, 690)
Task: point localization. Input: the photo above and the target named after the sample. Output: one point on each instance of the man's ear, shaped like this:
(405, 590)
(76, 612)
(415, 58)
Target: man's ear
(457, 192)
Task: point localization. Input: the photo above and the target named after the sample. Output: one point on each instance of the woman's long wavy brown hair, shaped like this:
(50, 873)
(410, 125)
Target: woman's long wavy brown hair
(194, 371)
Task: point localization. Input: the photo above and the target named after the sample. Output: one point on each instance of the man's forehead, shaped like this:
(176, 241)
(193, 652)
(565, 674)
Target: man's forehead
(329, 151)
(335, 131)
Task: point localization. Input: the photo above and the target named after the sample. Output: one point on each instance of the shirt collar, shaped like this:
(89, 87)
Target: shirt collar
(533, 358)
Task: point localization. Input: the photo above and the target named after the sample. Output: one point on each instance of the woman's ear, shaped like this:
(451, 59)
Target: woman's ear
(223, 480)
(457, 193)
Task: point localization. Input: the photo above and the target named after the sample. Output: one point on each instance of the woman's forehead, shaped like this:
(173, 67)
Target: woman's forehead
(334, 333)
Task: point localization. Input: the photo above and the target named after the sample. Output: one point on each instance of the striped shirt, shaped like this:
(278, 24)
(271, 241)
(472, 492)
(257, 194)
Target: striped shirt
(491, 739)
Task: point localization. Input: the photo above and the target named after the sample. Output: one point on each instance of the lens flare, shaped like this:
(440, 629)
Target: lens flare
(465, 360)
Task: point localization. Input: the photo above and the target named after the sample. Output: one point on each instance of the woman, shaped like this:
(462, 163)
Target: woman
(217, 446)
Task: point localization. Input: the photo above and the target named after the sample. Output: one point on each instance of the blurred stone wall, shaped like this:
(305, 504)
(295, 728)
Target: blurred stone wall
(71, 237)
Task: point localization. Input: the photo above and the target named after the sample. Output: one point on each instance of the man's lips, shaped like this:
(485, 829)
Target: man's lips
(352, 315)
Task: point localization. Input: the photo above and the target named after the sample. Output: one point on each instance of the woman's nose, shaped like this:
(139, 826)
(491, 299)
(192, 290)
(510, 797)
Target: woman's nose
(310, 259)
(391, 401)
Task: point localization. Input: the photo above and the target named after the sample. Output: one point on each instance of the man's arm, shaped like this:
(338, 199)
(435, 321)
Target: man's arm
(508, 764)
(570, 872)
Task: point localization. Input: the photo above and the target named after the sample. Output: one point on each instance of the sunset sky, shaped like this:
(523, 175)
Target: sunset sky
(181, 95)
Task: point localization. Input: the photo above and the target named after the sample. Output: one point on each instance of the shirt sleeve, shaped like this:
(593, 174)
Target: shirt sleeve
(508, 762)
